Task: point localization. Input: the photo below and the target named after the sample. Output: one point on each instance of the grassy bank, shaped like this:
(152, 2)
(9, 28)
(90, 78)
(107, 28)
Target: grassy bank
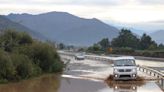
(22, 57)
(145, 53)
(132, 52)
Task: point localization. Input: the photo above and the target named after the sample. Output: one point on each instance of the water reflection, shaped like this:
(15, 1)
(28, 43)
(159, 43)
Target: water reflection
(52, 83)
(80, 85)
(132, 87)
(48, 83)
(125, 88)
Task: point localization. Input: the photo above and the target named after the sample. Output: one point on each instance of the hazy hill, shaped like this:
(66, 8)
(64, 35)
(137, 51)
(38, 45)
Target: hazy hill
(6, 24)
(158, 36)
(66, 28)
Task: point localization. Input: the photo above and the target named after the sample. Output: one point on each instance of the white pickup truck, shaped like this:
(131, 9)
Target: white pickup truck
(124, 68)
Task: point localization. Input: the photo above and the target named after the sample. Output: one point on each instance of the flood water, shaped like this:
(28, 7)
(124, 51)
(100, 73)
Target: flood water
(81, 76)
(53, 83)
(150, 63)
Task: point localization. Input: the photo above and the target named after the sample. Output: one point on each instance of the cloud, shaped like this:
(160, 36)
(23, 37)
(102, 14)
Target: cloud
(152, 2)
(115, 10)
(84, 2)
(68, 2)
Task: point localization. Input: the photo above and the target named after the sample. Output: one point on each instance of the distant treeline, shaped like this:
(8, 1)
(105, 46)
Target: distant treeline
(129, 44)
(22, 57)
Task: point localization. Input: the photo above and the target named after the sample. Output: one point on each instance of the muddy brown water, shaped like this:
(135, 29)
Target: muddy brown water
(53, 83)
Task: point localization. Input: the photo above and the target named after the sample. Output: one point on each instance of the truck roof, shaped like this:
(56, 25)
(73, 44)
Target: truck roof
(124, 57)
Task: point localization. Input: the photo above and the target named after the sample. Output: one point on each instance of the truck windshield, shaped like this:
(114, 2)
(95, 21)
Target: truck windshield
(124, 62)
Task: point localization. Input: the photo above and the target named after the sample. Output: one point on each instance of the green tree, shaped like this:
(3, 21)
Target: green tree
(161, 46)
(104, 44)
(146, 42)
(10, 39)
(22, 57)
(61, 46)
(126, 39)
(95, 47)
(23, 66)
(7, 71)
(25, 39)
(42, 54)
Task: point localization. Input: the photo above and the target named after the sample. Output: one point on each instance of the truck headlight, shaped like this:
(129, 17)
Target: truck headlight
(115, 75)
(115, 87)
(134, 75)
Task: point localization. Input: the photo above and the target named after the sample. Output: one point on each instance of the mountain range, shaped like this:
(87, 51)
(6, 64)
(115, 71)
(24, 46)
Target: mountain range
(66, 28)
(6, 24)
(158, 36)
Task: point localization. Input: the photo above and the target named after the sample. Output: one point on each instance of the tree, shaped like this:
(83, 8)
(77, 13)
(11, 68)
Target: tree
(104, 44)
(95, 47)
(23, 66)
(25, 39)
(152, 47)
(22, 57)
(161, 46)
(146, 42)
(7, 70)
(126, 39)
(10, 39)
(61, 46)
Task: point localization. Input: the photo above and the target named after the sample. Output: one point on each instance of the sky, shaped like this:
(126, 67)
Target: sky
(126, 12)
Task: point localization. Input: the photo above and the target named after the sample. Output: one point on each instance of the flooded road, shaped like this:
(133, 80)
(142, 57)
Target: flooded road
(80, 76)
(150, 63)
(53, 83)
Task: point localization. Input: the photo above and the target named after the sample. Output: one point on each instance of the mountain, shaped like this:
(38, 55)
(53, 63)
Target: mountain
(158, 36)
(66, 28)
(6, 24)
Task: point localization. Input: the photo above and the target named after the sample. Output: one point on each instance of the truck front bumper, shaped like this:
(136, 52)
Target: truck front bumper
(125, 76)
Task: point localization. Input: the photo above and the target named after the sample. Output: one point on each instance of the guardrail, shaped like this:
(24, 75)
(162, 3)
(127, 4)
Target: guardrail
(98, 58)
(154, 73)
(67, 54)
(151, 72)
(91, 57)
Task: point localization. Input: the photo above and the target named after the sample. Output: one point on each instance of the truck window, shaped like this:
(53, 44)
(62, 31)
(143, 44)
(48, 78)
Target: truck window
(124, 62)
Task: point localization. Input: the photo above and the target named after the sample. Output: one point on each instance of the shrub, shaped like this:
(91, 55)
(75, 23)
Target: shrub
(44, 55)
(25, 39)
(23, 66)
(22, 57)
(10, 39)
(7, 71)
